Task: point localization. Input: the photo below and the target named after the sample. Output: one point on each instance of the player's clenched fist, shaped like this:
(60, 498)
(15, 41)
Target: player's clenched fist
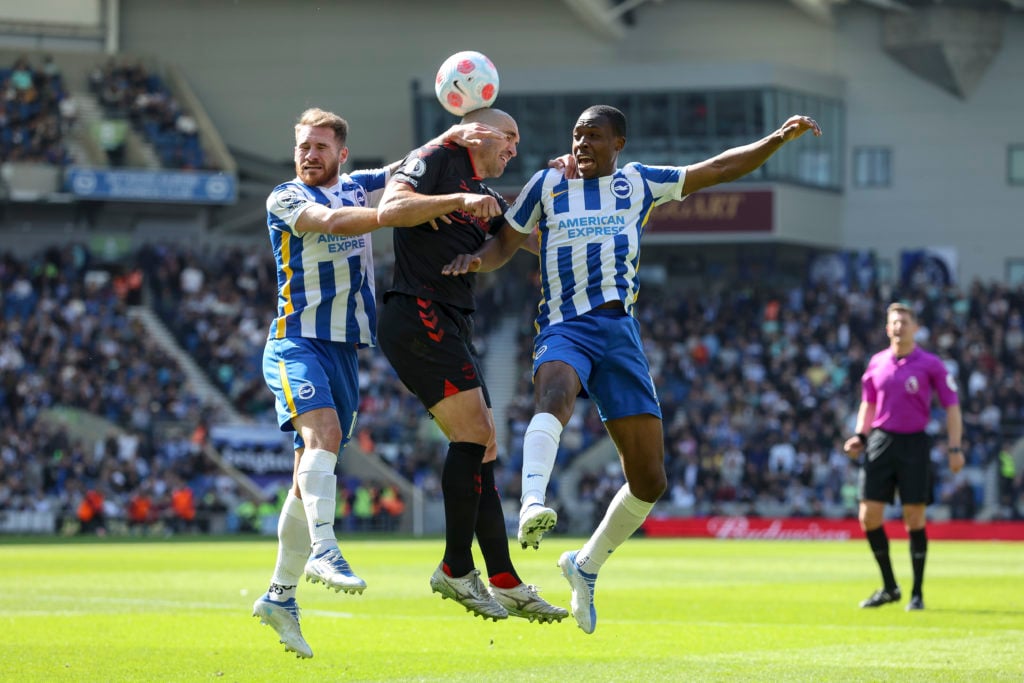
(481, 205)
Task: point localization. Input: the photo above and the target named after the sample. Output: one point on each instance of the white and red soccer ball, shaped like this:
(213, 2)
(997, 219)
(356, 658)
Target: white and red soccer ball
(466, 81)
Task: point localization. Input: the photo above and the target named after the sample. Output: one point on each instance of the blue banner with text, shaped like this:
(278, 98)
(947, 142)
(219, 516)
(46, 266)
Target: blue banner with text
(193, 187)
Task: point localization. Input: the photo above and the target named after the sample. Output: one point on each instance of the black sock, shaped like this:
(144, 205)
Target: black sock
(460, 484)
(879, 543)
(490, 527)
(918, 554)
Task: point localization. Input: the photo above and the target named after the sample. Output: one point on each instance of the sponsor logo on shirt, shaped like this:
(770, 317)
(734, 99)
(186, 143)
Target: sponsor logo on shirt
(592, 226)
(341, 243)
(288, 199)
(414, 168)
(911, 385)
(951, 382)
(621, 188)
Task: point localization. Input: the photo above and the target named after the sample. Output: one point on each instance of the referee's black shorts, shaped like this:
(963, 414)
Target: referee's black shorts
(897, 462)
(430, 346)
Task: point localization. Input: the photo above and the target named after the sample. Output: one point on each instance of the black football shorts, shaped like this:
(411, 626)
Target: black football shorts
(897, 462)
(430, 346)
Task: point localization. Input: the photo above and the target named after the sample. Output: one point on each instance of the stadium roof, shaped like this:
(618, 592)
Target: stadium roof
(949, 43)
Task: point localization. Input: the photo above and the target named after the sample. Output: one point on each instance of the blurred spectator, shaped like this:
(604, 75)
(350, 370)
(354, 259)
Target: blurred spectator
(391, 506)
(110, 136)
(960, 497)
(91, 513)
(141, 513)
(363, 507)
(132, 95)
(1008, 481)
(183, 507)
(31, 126)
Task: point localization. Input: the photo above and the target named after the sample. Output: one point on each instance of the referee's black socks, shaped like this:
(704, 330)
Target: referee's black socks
(879, 543)
(918, 553)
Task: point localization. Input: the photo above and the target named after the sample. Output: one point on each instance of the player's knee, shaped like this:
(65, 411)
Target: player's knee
(481, 433)
(558, 401)
(327, 438)
(650, 487)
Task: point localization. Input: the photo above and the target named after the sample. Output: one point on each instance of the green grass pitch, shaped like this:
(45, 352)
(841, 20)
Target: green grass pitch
(668, 610)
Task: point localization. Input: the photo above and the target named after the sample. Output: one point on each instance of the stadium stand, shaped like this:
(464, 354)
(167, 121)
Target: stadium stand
(757, 388)
(757, 383)
(127, 91)
(32, 118)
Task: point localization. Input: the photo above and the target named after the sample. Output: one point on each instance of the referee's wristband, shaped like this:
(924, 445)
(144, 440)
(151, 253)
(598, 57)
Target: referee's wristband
(956, 449)
(863, 438)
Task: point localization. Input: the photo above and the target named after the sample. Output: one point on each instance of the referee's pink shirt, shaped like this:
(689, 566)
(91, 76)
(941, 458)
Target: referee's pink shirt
(901, 389)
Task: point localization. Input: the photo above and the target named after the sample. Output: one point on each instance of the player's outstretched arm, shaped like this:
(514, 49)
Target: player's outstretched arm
(345, 220)
(492, 255)
(463, 135)
(468, 135)
(739, 161)
(403, 207)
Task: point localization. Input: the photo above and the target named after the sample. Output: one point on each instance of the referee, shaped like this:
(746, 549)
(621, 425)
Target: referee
(896, 396)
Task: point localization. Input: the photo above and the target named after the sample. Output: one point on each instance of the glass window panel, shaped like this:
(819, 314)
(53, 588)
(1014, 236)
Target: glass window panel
(682, 127)
(872, 167)
(1016, 164)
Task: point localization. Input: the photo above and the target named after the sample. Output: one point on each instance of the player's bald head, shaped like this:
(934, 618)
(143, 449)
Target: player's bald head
(489, 116)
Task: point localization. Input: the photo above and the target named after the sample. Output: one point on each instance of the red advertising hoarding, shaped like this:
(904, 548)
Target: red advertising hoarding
(735, 212)
(820, 529)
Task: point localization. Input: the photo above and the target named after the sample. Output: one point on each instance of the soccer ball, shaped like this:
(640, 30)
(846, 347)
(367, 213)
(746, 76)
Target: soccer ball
(466, 81)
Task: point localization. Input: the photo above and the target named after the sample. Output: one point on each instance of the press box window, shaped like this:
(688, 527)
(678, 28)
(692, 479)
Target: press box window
(872, 167)
(1015, 164)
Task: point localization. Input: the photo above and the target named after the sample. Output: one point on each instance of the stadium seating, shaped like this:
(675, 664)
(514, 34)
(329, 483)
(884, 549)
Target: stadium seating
(128, 91)
(31, 118)
(757, 387)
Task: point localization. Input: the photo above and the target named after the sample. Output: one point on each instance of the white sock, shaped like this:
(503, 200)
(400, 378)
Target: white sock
(540, 446)
(319, 488)
(292, 549)
(625, 515)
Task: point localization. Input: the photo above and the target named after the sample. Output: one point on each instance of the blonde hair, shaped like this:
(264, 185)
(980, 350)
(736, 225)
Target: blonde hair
(318, 118)
(900, 307)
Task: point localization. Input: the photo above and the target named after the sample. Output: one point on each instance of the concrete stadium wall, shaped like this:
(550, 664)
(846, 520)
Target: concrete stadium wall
(256, 64)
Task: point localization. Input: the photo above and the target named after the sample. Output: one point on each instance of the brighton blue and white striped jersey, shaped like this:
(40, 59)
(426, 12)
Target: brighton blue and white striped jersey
(590, 233)
(325, 287)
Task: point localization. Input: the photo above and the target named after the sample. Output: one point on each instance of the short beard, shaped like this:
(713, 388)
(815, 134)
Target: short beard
(327, 176)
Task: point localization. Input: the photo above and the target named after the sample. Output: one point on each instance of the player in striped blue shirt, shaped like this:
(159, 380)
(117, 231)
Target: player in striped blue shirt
(319, 225)
(590, 222)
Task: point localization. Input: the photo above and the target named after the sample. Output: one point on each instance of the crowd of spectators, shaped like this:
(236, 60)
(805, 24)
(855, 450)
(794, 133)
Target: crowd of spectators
(758, 385)
(33, 115)
(128, 92)
(758, 388)
(67, 341)
(219, 304)
(37, 113)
